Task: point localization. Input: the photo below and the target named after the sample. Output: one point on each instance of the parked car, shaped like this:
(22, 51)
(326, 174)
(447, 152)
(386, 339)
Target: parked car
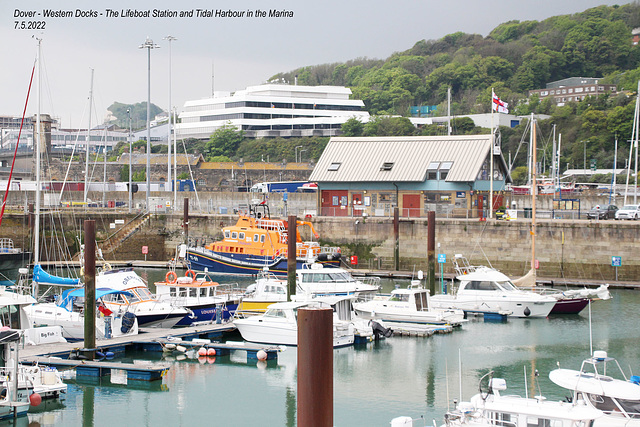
(628, 212)
(602, 212)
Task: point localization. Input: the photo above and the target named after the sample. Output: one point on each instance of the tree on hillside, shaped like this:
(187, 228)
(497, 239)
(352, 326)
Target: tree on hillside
(138, 114)
(388, 126)
(352, 127)
(224, 141)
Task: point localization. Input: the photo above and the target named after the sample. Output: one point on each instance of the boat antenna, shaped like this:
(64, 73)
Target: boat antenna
(460, 373)
(446, 377)
(590, 331)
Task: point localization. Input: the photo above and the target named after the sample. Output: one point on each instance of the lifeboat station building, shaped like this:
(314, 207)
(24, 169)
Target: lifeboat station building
(446, 174)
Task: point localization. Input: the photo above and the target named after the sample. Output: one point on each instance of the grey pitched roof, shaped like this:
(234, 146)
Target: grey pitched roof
(361, 159)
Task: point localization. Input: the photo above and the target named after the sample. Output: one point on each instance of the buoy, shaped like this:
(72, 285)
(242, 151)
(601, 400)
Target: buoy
(181, 348)
(169, 346)
(100, 354)
(109, 354)
(35, 399)
(262, 355)
(202, 351)
(190, 273)
(211, 352)
(171, 277)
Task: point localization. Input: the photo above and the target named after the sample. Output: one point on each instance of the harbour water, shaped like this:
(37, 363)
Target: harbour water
(373, 383)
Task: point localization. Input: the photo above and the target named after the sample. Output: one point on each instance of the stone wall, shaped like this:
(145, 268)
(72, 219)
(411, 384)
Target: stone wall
(583, 253)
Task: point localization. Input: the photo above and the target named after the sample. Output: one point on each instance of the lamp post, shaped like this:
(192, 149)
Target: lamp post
(148, 44)
(130, 154)
(169, 39)
(584, 159)
(299, 146)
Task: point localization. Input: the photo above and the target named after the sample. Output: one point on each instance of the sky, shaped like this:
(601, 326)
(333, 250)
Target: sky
(215, 53)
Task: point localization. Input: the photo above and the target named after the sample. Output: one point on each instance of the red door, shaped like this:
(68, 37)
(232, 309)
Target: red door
(334, 202)
(356, 204)
(411, 205)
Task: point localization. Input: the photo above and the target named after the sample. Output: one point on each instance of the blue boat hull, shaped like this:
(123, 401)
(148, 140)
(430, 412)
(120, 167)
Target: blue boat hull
(207, 313)
(247, 265)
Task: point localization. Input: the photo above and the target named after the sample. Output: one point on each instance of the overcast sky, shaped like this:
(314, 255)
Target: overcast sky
(241, 51)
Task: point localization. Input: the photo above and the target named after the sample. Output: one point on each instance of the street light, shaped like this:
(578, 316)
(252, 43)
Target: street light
(299, 146)
(148, 44)
(130, 154)
(170, 39)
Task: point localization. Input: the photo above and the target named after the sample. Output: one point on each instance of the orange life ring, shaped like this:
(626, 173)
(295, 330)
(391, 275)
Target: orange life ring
(190, 273)
(171, 277)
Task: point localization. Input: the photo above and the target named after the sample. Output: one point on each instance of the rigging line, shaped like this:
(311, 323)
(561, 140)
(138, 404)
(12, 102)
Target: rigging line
(13, 162)
(191, 174)
(73, 151)
(519, 145)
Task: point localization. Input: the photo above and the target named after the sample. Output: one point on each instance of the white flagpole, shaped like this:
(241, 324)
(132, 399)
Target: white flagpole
(491, 160)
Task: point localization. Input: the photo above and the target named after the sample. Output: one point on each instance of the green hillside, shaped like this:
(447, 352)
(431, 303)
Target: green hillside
(514, 58)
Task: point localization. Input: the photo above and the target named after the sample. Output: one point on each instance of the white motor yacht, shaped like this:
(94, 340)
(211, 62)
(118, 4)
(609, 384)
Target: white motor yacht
(68, 313)
(486, 290)
(315, 280)
(279, 325)
(490, 408)
(617, 398)
(410, 305)
(149, 311)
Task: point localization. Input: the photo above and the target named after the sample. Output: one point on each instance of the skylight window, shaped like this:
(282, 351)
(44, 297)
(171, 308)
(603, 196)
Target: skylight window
(433, 166)
(334, 166)
(386, 166)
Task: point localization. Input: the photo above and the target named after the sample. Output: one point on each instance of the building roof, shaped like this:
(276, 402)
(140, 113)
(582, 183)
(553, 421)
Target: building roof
(158, 159)
(368, 159)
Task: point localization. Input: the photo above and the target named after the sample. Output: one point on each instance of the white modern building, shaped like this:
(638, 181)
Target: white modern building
(272, 110)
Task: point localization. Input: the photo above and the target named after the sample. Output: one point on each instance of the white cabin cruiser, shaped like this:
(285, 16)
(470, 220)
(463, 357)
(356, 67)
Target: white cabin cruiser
(617, 398)
(267, 289)
(315, 280)
(279, 325)
(410, 305)
(487, 290)
(490, 408)
(67, 313)
(149, 311)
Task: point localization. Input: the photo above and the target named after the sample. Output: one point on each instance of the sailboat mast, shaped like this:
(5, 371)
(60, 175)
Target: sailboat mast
(534, 188)
(86, 147)
(175, 161)
(36, 142)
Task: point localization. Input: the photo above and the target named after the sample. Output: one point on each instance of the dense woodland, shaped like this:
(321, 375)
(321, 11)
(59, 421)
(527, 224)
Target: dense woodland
(514, 58)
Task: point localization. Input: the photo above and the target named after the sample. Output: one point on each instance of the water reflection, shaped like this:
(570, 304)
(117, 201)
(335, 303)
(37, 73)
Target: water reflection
(372, 383)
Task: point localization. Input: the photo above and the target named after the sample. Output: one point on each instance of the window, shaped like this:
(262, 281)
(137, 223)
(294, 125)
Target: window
(262, 238)
(386, 166)
(226, 234)
(234, 235)
(334, 166)
(242, 235)
(256, 237)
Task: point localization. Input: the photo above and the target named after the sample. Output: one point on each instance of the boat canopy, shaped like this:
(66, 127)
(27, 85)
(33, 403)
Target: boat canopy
(41, 276)
(66, 300)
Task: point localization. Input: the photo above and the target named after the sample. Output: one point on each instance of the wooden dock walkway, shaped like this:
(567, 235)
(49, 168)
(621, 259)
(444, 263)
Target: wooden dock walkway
(65, 355)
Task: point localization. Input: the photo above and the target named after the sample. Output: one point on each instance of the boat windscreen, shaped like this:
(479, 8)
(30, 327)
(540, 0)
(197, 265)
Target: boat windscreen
(507, 286)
